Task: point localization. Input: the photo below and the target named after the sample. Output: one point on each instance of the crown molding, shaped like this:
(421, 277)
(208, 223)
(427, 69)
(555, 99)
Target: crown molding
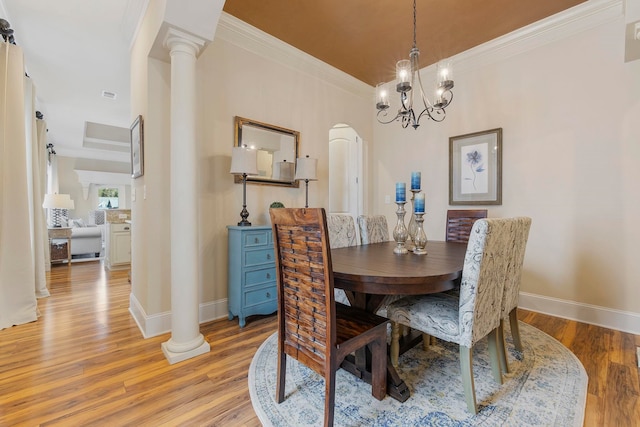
(572, 21)
(247, 37)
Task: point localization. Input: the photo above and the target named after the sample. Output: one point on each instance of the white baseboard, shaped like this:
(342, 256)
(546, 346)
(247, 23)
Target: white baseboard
(595, 315)
(158, 324)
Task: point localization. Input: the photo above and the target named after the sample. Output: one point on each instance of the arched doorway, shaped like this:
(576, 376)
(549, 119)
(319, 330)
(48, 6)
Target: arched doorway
(345, 171)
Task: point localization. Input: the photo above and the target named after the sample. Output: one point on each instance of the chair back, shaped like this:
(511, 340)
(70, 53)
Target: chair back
(342, 230)
(306, 307)
(483, 277)
(514, 271)
(373, 229)
(459, 223)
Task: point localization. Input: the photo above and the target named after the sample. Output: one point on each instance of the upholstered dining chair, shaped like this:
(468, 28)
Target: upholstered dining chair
(509, 307)
(312, 327)
(373, 229)
(342, 233)
(459, 223)
(466, 319)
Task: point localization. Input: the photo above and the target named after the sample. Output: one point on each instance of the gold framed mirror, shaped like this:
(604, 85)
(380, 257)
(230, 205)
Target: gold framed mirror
(277, 151)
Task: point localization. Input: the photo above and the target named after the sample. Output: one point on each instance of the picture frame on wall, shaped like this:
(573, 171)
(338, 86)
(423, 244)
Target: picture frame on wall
(475, 168)
(137, 148)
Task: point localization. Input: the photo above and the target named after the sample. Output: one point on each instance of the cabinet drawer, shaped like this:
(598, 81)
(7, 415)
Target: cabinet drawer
(120, 228)
(260, 296)
(258, 257)
(259, 277)
(257, 238)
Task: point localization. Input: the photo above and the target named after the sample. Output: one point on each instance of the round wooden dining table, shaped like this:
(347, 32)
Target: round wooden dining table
(376, 271)
(370, 273)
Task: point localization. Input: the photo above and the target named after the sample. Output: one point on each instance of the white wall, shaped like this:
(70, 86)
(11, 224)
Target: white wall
(569, 112)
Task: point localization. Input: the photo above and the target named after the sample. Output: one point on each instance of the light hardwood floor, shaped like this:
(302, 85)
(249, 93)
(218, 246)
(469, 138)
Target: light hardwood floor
(84, 362)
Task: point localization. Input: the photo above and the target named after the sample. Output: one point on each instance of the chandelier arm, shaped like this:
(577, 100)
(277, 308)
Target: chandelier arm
(437, 115)
(385, 115)
(449, 98)
(425, 100)
(406, 120)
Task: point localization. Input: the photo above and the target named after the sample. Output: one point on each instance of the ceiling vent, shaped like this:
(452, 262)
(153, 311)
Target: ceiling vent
(109, 95)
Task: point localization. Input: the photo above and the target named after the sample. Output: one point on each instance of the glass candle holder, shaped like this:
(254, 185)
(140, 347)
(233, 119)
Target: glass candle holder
(420, 238)
(400, 232)
(412, 220)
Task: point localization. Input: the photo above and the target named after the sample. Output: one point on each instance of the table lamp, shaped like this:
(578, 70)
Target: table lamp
(244, 161)
(307, 169)
(59, 203)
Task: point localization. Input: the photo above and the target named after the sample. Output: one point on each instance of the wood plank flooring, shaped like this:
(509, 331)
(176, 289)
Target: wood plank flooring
(84, 362)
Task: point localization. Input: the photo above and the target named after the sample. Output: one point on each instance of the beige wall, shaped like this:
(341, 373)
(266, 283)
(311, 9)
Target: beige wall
(150, 245)
(231, 81)
(236, 82)
(569, 112)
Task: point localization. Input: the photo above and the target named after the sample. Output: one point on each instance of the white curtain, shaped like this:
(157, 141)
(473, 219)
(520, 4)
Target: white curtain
(42, 167)
(17, 272)
(39, 235)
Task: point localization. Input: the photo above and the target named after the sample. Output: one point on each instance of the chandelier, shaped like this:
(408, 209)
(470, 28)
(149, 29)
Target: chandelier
(408, 78)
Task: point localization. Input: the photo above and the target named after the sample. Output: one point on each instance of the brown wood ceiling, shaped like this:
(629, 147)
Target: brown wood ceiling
(365, 38)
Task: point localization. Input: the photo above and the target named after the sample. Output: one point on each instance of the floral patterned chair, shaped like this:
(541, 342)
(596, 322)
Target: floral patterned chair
(512, 289)
(476, 313)
(342, 233)
(373, 229)
(342, 230)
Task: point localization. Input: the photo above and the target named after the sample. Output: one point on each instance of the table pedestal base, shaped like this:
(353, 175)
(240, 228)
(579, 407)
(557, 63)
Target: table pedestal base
(396, 387)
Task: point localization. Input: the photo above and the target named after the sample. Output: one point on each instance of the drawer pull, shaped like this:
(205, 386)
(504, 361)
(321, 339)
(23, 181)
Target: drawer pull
(268, 295)
(268, 275)
(126, 228)
(268, 256)
(255, 240)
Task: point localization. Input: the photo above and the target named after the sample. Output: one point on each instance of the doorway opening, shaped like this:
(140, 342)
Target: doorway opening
(345, 171)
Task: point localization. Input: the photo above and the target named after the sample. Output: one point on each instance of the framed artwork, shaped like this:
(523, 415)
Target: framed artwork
(137, 148)
(475, 168)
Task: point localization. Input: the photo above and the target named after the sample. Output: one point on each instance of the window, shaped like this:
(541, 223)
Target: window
(108, 198)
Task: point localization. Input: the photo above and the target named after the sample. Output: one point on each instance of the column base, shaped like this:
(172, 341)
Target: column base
(175, 357)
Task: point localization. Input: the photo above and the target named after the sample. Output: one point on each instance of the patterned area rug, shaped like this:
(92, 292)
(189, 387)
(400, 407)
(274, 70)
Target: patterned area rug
(546, 387)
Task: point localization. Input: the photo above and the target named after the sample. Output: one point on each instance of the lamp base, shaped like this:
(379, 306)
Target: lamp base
(244, 223)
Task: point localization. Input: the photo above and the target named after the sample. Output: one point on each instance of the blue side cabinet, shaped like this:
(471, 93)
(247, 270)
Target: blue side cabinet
(252, 272)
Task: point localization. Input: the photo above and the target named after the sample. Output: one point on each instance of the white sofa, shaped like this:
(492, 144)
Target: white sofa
(85, 239)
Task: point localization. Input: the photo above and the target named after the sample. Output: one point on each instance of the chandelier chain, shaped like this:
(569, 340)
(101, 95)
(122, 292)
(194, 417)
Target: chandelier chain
(414, 24)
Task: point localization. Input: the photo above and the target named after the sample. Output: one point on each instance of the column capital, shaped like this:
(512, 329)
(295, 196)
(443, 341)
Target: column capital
(176, 40)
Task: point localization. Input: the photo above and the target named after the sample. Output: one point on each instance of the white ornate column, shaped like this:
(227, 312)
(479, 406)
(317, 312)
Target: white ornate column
(186, 340)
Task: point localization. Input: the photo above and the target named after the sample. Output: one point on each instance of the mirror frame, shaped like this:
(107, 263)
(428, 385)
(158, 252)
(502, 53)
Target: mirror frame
(240, 122)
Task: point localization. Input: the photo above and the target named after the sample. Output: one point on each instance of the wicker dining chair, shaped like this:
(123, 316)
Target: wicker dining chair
(466, 319)
(459, 223)
(312, 327)
(509, 307)
(373, 229)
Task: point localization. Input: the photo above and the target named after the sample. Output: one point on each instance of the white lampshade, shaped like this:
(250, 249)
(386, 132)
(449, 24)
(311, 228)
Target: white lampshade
(58, 201)
(307, 168)
(244, 160)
